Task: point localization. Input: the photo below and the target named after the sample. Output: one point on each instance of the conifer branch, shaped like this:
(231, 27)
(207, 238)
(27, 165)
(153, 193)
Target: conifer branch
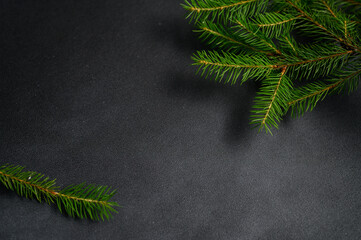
(318, 91)
(200, 10)
(216, 35)
(77, 201)
(291, 45)
(271, 101)
(273, 97)
(231, 66)
(323, 27)
(317, 59)
(221, 7)
(273, 24)
(263, 40)
(266, 46)
(329, 9)
(307, 16)
(221, 35)
(205, 62)
(278, 23)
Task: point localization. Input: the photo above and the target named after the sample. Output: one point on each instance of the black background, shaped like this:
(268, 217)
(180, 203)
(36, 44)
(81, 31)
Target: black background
(104, 92)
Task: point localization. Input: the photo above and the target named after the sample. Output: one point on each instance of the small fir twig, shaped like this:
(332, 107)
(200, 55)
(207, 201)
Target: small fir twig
(81, 201)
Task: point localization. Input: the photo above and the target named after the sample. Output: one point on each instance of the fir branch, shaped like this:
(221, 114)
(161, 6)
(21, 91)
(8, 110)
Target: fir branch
(328, 26)
(220, 10)
(316, 61)
(318, 41)
(340, 23)
(292, 45)
(278, 22)
(77, 201)
(255, 38)
(230, 66)
(220, 7)
(305, 98)
(271, 101)
(351, 8)
(275, 24)
(309, 17)
(266, 116)
(329, 9)
(218, 37)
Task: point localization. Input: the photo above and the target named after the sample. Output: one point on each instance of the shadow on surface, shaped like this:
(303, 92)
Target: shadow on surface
(186, 84)
(344, 111)
(237, 99)
(6, 193)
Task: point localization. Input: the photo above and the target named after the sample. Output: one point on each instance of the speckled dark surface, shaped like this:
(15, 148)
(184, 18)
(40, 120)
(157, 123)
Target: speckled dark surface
(104, 92)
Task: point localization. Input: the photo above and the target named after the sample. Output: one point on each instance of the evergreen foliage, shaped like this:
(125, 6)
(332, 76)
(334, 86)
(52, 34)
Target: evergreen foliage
(82, 201)
(300, 50)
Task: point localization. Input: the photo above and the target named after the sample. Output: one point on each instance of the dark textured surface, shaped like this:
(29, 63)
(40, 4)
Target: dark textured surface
(103, 92)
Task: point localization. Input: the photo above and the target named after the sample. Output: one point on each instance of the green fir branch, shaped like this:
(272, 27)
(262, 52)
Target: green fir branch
(221, 10)
(275, 24)
(253, 37)
(316, 61)
(314, 42)
(306, 97)
(231, 67)
(82, 201)
(271, 101)
(218, 36)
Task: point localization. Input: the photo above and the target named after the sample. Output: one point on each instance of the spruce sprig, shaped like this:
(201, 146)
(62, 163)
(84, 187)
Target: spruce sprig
(300, 50)
(81, 201)
(220, 10)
